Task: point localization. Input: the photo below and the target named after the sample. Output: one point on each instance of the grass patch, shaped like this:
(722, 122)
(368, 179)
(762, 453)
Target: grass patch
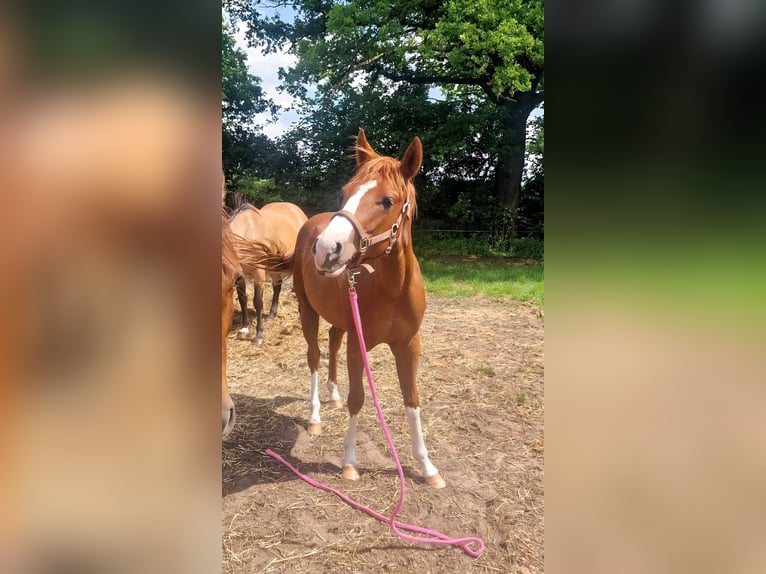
(486, 370)
(431, 243)
(469, 276)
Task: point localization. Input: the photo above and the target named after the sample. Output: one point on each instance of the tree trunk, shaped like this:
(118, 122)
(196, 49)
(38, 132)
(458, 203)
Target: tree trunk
(510, 164)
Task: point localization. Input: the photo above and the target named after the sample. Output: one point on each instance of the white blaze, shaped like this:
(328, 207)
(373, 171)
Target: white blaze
(340, 229)
(353, 202)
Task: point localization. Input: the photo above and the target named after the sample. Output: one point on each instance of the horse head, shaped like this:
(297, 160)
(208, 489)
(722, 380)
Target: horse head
(377, 202)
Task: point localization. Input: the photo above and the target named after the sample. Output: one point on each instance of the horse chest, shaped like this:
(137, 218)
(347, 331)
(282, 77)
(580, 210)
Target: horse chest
(386, 316)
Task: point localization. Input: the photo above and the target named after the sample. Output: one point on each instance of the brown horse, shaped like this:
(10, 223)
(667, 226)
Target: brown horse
(231, 271)
(277, 223)
(237, 254)
(374, 229)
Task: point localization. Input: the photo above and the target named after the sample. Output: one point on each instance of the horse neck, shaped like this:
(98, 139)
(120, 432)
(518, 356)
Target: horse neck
(399, 265)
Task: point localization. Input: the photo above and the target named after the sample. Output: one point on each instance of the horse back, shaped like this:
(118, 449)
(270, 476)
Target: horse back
(246, 223)
(290, 212)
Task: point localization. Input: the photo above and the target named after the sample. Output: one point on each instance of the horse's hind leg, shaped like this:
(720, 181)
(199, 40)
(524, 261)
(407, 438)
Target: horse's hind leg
(407, 357)
(355, 402)
(336, 338)
(276, 284)
(242, 296)
(258, 304)
(310, 325)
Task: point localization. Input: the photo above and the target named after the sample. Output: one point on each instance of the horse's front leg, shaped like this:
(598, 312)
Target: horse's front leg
(336, 338)
(355, 402)
(407, 357)
(310, 325)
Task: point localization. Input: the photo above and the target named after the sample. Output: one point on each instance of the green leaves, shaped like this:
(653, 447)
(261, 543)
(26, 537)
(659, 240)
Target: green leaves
(242, 91)
(464, 75)
(487, 40)
(243, 145)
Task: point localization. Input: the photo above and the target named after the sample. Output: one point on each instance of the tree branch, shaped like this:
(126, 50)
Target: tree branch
(355, 67)
(432, 79)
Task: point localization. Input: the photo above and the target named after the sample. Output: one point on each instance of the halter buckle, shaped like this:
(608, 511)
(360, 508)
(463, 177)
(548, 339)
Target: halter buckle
(392, 238)
(364, 244)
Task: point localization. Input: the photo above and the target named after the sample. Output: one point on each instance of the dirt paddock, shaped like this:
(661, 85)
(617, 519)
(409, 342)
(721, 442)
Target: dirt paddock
(481, 389)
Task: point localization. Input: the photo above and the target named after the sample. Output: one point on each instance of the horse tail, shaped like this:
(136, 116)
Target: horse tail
(262, 254)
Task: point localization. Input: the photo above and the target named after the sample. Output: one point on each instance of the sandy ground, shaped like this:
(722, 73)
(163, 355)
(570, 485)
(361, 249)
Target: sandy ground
(481, 388)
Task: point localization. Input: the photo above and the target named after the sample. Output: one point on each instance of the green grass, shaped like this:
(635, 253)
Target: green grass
(496, 278)
(486, 370)
(432, 243)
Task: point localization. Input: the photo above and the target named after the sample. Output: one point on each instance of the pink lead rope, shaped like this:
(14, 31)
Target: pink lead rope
(430, 536)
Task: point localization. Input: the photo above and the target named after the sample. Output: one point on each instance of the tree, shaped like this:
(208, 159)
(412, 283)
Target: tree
(475, 51)
(530, 211)
(243, 144)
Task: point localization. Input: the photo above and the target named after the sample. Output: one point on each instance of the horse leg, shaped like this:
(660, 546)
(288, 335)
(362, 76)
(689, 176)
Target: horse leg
(407, 357)
(310, 326)
(242, 296)
(355, 401)
(258, 304)
(336, 338)
(228, 412)
(276, 284)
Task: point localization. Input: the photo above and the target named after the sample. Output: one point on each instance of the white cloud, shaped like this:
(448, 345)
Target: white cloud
(266, 67)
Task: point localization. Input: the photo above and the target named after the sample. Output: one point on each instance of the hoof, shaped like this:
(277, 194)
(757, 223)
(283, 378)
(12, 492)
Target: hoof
(258, 341)
(314, 429)
(336, 404)
(269, 318)
(243, 333)
(349, 472)
(435, 481)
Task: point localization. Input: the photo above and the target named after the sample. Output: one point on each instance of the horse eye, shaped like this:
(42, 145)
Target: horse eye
(387, 202)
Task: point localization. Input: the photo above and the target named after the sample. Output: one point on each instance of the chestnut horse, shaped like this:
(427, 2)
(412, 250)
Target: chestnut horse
(277, 223)
(237, 254)
(230, 273)
(374, 230)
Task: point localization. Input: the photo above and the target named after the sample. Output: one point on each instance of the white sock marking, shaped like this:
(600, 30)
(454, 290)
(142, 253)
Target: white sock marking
(419, 450)
(314, 400)
(333, 388)
(349, 442)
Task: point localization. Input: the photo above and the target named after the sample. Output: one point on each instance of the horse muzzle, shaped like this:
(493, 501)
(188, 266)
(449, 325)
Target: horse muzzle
(331, 252)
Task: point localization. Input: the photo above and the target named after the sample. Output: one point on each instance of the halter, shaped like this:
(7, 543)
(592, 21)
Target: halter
(365, 241)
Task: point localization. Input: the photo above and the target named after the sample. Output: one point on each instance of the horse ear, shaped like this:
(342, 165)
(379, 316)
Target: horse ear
(412, 159)
(364, 152)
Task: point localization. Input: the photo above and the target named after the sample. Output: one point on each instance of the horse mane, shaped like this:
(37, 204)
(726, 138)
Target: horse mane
(243, 206)
(388, 170)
